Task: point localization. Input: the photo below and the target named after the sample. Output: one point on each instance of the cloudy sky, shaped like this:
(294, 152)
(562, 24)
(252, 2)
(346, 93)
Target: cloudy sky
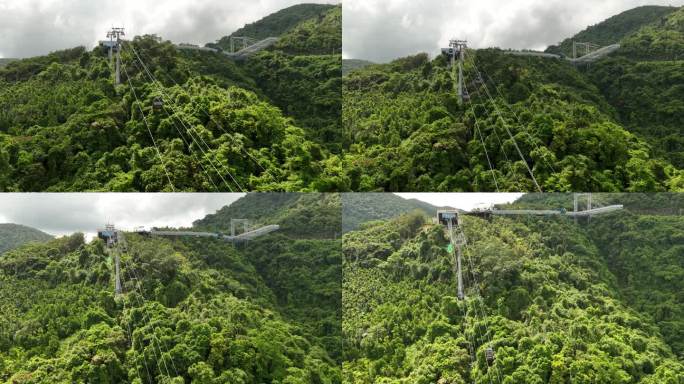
(382, 30)
(65, 213)
(465, 201)
(35, 27)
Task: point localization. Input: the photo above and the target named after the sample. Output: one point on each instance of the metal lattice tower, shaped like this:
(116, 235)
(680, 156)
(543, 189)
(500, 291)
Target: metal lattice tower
(456, 54)
(576, 202)
(588, 48)
(457, 241)
(115, 35)
(235, 222)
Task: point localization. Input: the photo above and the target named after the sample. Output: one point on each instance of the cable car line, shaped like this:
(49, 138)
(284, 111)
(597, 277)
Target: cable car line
(148, 128)
(160, 88)
(479, 133)
(122, 243)
(168, 350)
(515, 143)
(146, 318)
(130, 336)
(217, 124)
(188, 130)
(192, 129)
(146, 323)
(517, 117)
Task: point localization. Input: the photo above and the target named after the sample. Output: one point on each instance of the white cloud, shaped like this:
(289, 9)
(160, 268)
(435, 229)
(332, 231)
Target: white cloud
(381, 30)
(36, 27)
(65, 213)
(464, 201)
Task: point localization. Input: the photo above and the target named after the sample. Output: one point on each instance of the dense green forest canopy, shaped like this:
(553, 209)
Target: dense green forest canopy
(269, 123)
(4, 62)
(359, 208)
(277, 23)
(616, 28)
(15, 235)
(612, 126)
(558, 302)
(349, 65)
(192, 311)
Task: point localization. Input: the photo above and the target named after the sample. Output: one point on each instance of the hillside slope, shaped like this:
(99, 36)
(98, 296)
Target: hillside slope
(548, 296)
(615, 28)
(223, 125)
(15, 235)
(404, 130)
(359, 208)
(192, 311)
(643, 82)
(275, 24)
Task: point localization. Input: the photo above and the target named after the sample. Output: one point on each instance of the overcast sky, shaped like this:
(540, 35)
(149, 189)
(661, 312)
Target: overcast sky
(36, 27)
(65, 213)
(465, 201)
(382, 30)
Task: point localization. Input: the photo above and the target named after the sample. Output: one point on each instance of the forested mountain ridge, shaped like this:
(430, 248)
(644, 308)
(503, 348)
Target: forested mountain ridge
(360, 208)
(609, 127)
(276, 24)
(193, 310)
(15, 235)
(556, 303)
(615, 29)
(223, 126)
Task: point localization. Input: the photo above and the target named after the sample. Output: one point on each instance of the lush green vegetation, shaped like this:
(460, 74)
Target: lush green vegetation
(359, 208)
(349, 65)
(15, 235)
(4, 62)
(616, 28)
(266, 124)
(276, 24)
(192, 311)
(317, 36)
(614, 126)
(404, 130)
(644, 85)
(557, 302)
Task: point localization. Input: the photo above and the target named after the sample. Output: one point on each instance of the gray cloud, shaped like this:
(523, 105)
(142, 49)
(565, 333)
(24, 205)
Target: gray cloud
(65, 213)
(382, 30)
(36, 27)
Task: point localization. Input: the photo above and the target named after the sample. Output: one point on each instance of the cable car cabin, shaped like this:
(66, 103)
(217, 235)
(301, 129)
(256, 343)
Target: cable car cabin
(451, 52)
(109, 236)
(157, 104)
(448, 215)
(489, 355)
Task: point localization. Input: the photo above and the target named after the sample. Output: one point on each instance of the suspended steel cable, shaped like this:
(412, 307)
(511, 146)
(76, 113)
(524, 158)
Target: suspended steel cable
(196, 142)
(484, 146)
(218, 125)
(154, 351)
(189, 132)
(476, 332)
(146, 313)
(503, 121)
(160, 89)
(517, 118)
(130, 336)
(146, 318)
(479, 300)
(148, 127)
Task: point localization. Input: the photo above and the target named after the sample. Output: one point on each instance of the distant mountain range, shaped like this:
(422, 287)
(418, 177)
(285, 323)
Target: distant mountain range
(16, 235)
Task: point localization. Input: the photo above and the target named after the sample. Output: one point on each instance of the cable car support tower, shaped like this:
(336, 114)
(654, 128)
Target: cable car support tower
(456, 55)
(114, 43)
